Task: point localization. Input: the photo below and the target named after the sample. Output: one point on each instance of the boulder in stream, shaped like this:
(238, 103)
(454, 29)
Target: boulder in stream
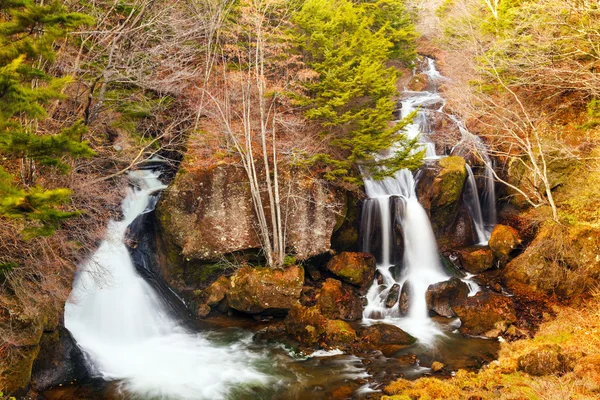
(485, 314)
(256, 290)
(442, 296)
(352, 267)
(476, 259)
(404, 302)
(337, 300)
(305, 324)
(383, 334)
(392, 296)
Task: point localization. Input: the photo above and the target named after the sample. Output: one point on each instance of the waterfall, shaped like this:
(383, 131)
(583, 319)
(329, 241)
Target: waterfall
(127, 333)
(471, 199)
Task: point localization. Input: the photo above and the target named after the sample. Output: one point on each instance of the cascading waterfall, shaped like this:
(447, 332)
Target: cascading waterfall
(128, 335)
(394, 201)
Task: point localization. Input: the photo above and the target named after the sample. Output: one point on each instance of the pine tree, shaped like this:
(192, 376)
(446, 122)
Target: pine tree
(349, 46)
(28, 32)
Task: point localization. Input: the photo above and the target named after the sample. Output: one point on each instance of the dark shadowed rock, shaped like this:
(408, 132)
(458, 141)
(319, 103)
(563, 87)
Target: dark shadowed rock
(442, 296)
(355, 268)
(476, 259)
(60, 361)
(393, 295)
(485, 314)
(404, 302)
(339, 301)
(255, 290)
(382, 334)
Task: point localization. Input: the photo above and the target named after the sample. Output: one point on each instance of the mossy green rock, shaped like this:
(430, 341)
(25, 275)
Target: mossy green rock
(18, 374)
(305, 324)
(355, 268)
(254, 290)
(503, 241)
(216, 292)
(476, 259)
(338, 301)
(339, 333)
(485, 314)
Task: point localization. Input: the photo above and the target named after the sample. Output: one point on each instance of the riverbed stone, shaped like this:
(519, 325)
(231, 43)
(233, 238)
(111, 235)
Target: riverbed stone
(305, 324)
(255, 290)
(442, 296)
(353, 267)
(476, 259)
(503, 241)
(339, 333)
(384, 334)
(404, 301)
(337, 300)
(486, 314)
(392, 296)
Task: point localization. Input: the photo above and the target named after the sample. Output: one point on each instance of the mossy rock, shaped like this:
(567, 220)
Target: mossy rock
(339, 333)
(305, 324)
(503, 241)
(338, 301)
(476, 259)
(17, 374)
(485, 314)
(355, 268)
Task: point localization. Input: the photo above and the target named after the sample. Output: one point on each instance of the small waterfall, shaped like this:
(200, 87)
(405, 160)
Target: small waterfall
(127, 333)
(471, 199)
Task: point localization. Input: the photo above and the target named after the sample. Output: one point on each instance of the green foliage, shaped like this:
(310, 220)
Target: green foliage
(28, 31)
(349, 46)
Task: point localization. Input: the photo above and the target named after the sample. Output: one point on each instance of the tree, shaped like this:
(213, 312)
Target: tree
(27, 36)
(349, 46)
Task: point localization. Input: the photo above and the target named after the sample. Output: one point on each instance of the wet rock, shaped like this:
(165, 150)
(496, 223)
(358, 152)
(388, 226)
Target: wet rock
(437, 366)
(203, 310)
(418, 83)
(382, 334)
(439, 190)
(503, 241)
(304, 324)
(355, 268)
(208, 212)
(442, 296)
(545, 360)
(216, 292)
(255, 290)
(59, 361)
(393, 295)
(379, 278)
(407, 360)
(339, 333)
(338, 301)
(404, 302)
(476, 259)
(485, 314)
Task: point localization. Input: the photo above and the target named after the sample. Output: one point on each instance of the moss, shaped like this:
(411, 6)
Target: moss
(339, 332)
(18, 374)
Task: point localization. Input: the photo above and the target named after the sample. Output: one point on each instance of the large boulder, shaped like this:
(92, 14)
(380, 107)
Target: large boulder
(439, 190)
(384, 334)
(476, 259)
(255, 290)
(562, 260)
(338, 301)
(485, 314)
(503, 241)
(208, 212)
(442, 296)
(355, 268)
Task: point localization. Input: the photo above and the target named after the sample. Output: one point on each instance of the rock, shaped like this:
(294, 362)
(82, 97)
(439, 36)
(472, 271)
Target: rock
(345, 233)
(309, 295)
(255, 290)
(503, 241)
(18, 375)
(442, 296)
(338, 301)
(439, 190)
(383, 334)
(59, 361)
(545, 360)
(393, 295)
(418, 83)
(404, 302)
(216, 292)
(203, 310)
(437, 366)
(561, 261)
(339, 333)
(485, 314)
(355, 268)
(476, 259)
(208, 212)
(306, 325)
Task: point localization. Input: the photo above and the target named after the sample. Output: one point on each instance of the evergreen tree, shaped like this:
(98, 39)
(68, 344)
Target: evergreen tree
(28, 32)
(349, 46)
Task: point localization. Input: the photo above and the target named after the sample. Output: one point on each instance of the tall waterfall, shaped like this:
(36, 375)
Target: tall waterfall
(393, 202)
(125, 330)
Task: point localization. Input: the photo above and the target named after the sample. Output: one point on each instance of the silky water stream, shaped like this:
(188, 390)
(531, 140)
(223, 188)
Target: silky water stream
(136, 348)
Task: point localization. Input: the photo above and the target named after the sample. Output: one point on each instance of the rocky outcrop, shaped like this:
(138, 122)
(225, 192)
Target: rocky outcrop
(439, 190)
(339, 301)
(503, 241)
(355, 268)
(256, 290)
(442, 296)
(208, 212)
(485, 314)
(476, 259)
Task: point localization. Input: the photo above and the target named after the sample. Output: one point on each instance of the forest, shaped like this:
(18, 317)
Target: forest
(289, 199)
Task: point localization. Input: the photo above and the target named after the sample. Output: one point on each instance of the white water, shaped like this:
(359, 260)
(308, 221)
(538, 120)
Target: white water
(123, 326)
(420, 264)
